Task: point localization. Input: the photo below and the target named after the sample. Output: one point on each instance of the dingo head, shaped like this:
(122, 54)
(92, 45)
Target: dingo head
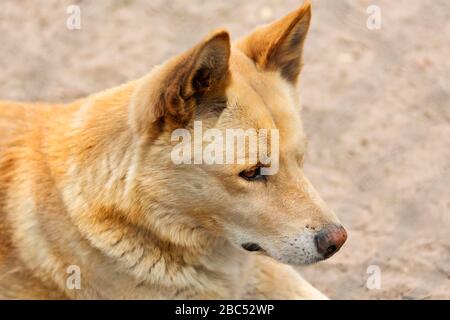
(248, 85)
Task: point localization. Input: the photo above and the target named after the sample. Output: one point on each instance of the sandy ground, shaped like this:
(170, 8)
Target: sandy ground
(376, 108)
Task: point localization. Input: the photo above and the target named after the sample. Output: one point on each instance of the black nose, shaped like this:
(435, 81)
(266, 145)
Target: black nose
(330, 239)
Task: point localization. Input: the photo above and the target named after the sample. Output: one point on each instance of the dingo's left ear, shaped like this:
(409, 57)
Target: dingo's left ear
(172, 92)
(279, 45)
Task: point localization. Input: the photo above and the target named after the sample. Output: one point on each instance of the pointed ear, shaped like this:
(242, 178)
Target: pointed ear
(203, 69)
(173, 90)
(279, 45)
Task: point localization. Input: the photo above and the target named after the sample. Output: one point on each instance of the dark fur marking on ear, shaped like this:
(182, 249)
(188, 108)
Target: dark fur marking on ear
(291, 70)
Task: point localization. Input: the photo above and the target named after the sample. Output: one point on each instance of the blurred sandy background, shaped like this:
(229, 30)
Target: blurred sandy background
(376, 108)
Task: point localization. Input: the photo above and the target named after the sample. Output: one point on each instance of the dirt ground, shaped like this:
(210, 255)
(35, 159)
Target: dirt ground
(376, 109)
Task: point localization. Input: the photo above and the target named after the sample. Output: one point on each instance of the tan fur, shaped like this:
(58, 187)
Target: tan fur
(91, 183)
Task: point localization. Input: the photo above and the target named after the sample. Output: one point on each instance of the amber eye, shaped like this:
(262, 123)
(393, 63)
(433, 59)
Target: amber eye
(252, 174)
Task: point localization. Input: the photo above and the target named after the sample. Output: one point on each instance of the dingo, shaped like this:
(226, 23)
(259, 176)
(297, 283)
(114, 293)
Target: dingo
(89, 189)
